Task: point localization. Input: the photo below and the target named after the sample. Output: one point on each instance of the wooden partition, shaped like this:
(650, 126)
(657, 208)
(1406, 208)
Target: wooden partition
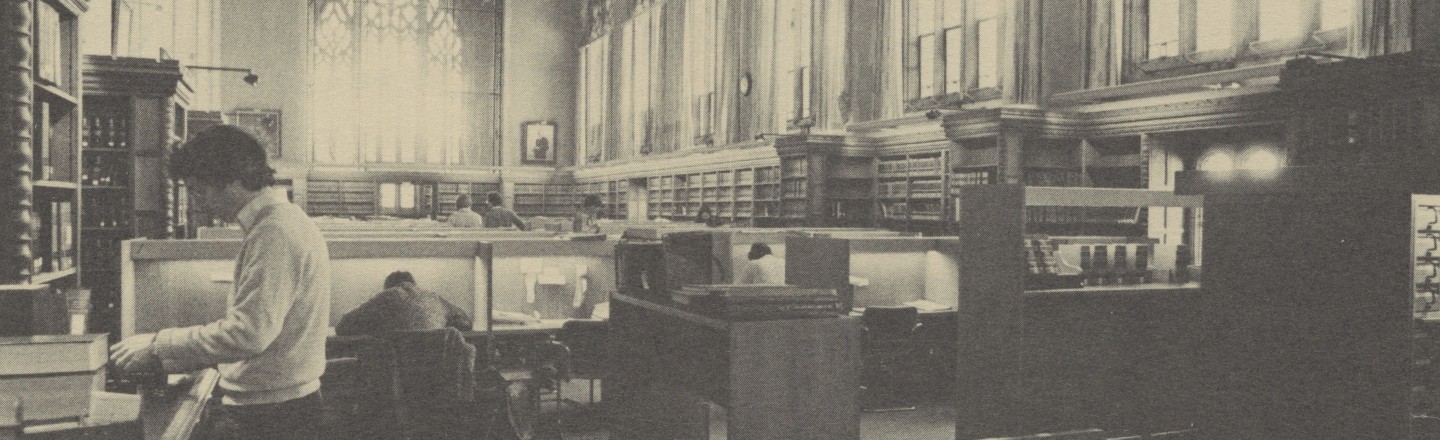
(729, 248)
(168, 283)
(1121, 359)
(676, 374)
(881, 271)
(555, 268)
(214, 233)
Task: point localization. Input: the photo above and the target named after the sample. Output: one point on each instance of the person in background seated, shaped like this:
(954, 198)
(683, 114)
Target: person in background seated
(586, 215)
(403, 306)
(704, 215)
(499, 216)
(763, 268)
(270, 345)
(463, 217)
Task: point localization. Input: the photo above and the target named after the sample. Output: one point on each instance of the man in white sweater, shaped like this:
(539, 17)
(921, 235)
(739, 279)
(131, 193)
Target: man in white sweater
(270, 345)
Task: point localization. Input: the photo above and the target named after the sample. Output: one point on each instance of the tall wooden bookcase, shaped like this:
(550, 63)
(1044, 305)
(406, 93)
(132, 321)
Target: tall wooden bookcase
(135, 116)
(40, 135)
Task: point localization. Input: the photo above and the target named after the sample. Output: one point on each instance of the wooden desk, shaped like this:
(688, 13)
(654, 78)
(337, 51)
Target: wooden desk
(180, 413)
(780, 379)
(936, 377)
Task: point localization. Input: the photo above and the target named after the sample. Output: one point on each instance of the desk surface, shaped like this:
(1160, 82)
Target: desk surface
(176, 414)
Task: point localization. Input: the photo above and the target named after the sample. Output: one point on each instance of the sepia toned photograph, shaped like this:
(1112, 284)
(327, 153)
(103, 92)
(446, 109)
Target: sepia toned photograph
(720, 219)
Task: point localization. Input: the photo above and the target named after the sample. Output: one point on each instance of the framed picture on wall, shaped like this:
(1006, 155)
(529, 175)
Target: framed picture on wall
(263, 123)
(538, 142)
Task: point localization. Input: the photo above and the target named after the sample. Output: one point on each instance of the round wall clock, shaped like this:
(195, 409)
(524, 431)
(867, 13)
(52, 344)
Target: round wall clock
(744, 84)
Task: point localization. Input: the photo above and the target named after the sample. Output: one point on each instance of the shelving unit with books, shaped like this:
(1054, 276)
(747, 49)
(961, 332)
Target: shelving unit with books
(55, 141)
(613, 197)
(794, 190)
(544, 199)
(911, 189)
(136, 112)
(737, 195)
(341, 197)
(42, 202)
(446, 192)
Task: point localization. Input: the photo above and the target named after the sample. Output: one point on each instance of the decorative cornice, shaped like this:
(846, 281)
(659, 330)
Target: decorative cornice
(754, 153)
(1234, 110)
(1162, 86)
(75, 7)
(104, 74)
(952, 101)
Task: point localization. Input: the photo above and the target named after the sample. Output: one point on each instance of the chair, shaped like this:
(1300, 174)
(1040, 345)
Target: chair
(890, 353)
(585, 341)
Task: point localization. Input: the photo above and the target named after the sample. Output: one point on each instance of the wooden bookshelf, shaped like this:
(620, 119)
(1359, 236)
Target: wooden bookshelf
(613, 197)
(342, 197)
(911, 190)
(42, 132)
(742, 194)
(446, 192)
(545, 199)
(135, 114)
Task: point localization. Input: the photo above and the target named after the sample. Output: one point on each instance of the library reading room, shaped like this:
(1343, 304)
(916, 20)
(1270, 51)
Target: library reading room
(720, 219)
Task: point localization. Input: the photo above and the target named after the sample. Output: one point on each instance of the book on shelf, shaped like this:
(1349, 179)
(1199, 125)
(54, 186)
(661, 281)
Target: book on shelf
(49, 51)
(65, 240)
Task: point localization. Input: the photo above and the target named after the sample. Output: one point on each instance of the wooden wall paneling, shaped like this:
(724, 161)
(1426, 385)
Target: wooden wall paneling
(1308, 311)
(827, 263)
(992, 282)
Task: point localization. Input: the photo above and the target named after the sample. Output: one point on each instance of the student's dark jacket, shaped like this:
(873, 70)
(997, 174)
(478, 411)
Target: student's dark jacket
(401, 308)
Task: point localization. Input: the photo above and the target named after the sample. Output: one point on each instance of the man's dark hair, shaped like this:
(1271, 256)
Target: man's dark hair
(591, 201)
(462, 201)
(494, 199)
(222, 154)
(397, 278)
(758, 250)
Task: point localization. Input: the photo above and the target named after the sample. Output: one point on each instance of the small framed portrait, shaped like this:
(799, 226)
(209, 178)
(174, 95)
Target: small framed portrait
(538, 142)
(264, 124)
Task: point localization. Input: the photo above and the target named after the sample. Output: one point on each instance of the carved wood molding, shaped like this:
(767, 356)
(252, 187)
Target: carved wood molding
(951, 101)
(16, 187)
(167, 203)
(135, 76)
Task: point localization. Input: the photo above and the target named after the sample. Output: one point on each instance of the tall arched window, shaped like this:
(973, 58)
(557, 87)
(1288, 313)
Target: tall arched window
(403, 81)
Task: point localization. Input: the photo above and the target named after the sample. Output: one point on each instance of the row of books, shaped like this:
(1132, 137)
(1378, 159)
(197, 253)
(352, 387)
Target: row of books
(54, 246)
(49, 55)
(751, 302)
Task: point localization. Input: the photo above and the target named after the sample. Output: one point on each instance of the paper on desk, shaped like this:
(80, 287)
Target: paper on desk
(581, 284)
(552, 276)
(531, 265)
(113, 407)
(859, 282)
(925, 305)
(530, 279)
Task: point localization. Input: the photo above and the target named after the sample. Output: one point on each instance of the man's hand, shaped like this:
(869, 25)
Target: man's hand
(133, 354)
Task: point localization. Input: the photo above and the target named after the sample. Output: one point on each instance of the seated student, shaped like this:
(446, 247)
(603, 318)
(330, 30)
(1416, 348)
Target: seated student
(499, 216)
(763, 268)
(402, 306)
(585, 216)
(706, 216)
(463, 217)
